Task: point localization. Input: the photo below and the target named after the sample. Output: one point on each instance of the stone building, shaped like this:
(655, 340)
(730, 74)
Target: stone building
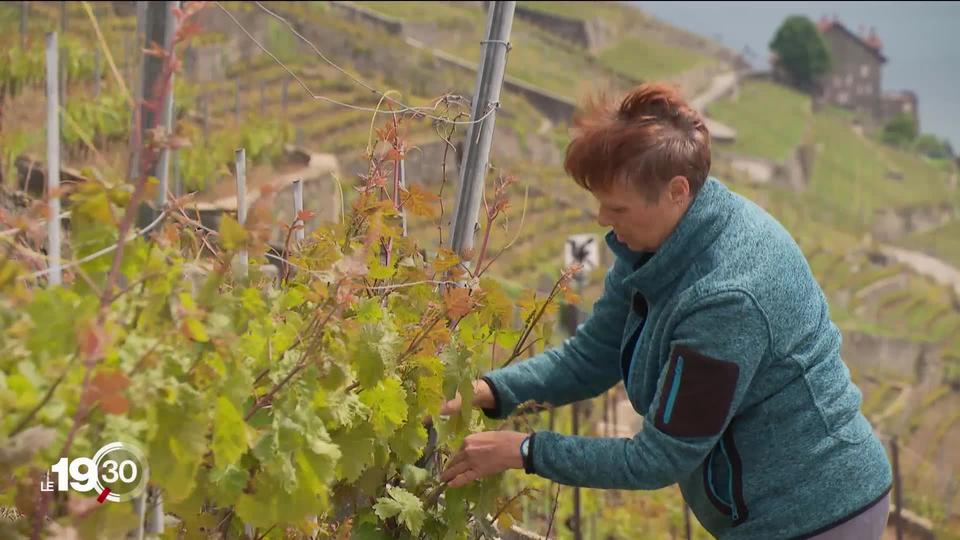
(855, 79)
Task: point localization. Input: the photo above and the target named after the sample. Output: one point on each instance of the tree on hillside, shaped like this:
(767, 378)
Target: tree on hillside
(933, 147)
(900, 131)
(801, 52)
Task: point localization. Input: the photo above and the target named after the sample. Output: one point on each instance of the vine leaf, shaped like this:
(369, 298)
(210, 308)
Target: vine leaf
(403, 505)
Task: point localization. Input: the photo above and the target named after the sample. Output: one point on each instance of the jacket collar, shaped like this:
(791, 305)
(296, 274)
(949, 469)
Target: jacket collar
(697, 229)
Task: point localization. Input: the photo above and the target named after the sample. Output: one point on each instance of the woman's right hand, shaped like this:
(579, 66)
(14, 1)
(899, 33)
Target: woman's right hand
(482, 399)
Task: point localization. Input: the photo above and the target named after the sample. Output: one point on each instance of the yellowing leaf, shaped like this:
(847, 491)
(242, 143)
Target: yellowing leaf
(232, 234)
(230, 439)
(445, 260)
(420, 202)
(388, 406)
(194, 330)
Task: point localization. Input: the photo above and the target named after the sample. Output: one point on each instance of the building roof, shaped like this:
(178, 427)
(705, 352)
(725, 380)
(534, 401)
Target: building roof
(900, 95)
(871, 42)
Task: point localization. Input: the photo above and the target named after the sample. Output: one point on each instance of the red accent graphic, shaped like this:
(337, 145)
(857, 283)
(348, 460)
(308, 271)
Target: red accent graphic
(103, 496)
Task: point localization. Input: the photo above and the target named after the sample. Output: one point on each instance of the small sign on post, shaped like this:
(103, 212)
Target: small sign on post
(582, 249)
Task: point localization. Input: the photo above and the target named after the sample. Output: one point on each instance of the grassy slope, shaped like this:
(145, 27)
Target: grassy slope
(770, 119)
(850, 175)
(647, 59)
(545, 60)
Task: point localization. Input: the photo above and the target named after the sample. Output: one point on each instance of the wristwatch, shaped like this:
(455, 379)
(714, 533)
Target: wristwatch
(526, 453)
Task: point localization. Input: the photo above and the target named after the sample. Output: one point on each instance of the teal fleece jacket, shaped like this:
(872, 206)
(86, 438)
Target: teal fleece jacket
(724, 341)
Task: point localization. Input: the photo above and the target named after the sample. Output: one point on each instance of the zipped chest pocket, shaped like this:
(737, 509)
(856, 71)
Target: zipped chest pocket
(723, 479)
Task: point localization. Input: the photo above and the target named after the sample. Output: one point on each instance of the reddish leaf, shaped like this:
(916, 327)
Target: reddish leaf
(457, 301)
(93, 342)
(110, 382)
(115, 404)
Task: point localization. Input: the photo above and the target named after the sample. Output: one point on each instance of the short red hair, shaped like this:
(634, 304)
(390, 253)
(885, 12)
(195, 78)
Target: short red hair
(653, 136)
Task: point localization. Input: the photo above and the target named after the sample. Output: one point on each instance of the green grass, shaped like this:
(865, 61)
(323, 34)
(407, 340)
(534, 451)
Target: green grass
(436, 12)
(646, 59)
(609, 11)
(536, 57)
(770, 119)
(849, 181)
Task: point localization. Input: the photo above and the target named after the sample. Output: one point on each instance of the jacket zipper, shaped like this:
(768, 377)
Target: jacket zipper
(733, 501)
(674, 388)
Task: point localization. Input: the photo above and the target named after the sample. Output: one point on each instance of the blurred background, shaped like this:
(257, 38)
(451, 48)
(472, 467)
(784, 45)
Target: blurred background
(840, 119)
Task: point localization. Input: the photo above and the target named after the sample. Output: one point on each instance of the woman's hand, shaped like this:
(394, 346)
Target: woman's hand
(483, 454)
(482, 399)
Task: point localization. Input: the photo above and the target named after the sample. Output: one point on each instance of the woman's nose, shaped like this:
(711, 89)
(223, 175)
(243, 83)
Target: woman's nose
(602, 219)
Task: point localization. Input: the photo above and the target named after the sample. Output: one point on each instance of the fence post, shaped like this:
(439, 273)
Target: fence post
(480, 134)
(298, 207)
(897, 487)
(156, 514)
(163, 167)
(63, 60)
(241, 165)
(53, 160)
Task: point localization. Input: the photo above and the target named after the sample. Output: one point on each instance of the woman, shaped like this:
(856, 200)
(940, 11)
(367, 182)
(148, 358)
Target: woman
(722, 336)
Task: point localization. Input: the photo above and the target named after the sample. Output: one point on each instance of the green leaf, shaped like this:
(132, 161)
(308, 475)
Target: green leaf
(414, 476)
(342, 410)
(378, 271)
(230, 440)
(369, 311)
(195, 330)
(292, 298)
(252, 301)
(178, 447)
(408, 443)
(228, 483)
(403, 505)
(356, 447)
(232, 234)
(388, 406)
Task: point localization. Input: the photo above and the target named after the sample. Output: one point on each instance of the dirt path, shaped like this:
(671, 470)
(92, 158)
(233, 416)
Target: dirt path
(921, 263)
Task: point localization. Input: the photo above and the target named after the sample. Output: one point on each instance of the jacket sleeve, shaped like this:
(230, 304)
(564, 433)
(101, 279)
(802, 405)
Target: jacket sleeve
(714, 354)
(585, 365)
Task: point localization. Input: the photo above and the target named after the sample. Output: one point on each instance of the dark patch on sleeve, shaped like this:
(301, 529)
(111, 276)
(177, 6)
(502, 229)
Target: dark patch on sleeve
(696, 394)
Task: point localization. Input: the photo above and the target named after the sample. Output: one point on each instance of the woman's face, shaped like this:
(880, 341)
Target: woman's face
(640, 224)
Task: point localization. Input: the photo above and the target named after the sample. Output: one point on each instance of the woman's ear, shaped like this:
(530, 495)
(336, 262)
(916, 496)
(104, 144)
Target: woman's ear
(679, 189)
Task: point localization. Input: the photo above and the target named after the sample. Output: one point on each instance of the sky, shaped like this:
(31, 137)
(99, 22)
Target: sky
(921, 41)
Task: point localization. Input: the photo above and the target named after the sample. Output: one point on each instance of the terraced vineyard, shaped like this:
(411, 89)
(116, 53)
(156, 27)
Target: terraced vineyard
(853, 178)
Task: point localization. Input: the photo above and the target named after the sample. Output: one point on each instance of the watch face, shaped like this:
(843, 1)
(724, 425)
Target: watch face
(524, 446)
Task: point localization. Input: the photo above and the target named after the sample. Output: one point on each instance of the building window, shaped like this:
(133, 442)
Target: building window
(843, 97)
(865, 70)
(849, 79)
(907, 107)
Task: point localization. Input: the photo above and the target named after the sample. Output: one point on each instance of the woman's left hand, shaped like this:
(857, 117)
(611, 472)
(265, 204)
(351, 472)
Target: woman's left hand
(483, 454)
